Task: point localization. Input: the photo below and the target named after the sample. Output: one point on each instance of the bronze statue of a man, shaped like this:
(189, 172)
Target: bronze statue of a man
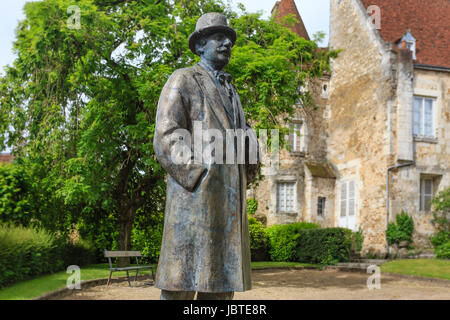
(205, 247)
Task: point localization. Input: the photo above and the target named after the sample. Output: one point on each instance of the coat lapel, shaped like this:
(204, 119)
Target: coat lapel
(209, 89)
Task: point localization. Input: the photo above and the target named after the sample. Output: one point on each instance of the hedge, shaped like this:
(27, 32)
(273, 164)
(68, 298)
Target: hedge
(27, 252)
(324, 246)
(258, 240)
(283, 240)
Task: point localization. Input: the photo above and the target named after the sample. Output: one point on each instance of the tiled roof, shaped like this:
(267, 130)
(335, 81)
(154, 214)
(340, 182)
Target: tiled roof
(7, 158)
(429, 22)
(286, 7)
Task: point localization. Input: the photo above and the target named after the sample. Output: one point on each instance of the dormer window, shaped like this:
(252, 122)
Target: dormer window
(410, 42)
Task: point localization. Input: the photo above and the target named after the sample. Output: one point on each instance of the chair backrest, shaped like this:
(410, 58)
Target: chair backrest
(120, 254)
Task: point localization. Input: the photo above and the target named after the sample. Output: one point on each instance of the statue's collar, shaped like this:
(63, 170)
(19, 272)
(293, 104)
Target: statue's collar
(207, 68)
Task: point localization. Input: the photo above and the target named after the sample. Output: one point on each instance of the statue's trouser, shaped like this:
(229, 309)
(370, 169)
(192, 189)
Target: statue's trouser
(189, 295)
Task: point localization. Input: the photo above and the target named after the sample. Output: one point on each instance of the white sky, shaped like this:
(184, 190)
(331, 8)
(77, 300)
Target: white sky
(315, 15)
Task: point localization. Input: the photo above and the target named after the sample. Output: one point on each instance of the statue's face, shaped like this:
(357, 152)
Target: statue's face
(216, 49)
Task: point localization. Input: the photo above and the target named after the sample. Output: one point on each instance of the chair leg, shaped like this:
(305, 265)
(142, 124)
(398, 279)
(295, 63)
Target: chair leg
(153, 274)
(128, 278)
(109, 279)
(135, 277)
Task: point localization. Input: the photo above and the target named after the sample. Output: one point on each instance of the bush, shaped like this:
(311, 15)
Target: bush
(147, 236)
(440, 238)
(324, 246)
(443, 251)
(283, 240)
(258, 240)
(252, 206)
(27, 252)
(402, 231)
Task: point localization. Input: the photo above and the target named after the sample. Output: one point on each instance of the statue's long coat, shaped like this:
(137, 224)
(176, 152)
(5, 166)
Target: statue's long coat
(205, 245)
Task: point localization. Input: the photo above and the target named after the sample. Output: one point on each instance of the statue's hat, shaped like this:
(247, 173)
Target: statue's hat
(209, 23)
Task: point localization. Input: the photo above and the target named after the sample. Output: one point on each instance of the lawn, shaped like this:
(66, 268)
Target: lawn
(431, 268)
(34, 288)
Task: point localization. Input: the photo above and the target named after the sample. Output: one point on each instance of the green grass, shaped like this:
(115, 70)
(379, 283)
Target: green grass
(431, 268)
(36, 287)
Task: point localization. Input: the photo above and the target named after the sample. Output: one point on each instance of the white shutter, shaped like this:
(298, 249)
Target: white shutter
(428, 118)
(343, 199)
(351, 198)
(417, 115)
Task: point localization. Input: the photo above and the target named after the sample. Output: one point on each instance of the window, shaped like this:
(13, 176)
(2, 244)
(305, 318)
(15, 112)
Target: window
(426, 194)
(424, 117)
(321, 206)
(297, 137)
(286, 197)
(347, 198)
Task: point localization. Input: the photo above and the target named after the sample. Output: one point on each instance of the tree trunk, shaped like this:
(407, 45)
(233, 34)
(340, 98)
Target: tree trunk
(126, 220)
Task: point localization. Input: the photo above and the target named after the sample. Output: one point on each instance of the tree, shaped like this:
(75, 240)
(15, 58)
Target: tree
(79, 105)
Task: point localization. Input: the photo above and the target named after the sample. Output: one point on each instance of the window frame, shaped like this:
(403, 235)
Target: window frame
(284, 208)
(297, 137)
(422, 117)
(423, 206)
(321, 204)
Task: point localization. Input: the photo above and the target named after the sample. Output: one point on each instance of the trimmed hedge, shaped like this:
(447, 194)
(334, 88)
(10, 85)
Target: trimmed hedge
(283, 240)
(324, 246)
(26, 253)
(258, 240)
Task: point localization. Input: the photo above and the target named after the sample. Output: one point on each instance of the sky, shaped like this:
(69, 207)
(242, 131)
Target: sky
(315, 15)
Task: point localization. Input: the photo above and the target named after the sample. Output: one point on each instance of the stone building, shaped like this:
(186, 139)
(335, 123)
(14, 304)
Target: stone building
(379, 142)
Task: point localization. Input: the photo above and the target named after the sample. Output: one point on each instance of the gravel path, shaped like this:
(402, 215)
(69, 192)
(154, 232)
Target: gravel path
(294, 285)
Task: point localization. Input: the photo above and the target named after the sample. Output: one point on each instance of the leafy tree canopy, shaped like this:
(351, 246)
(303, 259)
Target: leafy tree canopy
(79, 105)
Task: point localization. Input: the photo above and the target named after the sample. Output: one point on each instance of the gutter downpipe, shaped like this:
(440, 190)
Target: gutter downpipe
(409, 163)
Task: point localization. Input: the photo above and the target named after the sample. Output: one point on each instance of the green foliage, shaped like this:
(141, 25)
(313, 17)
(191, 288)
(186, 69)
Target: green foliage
(402, 230)
(443, 251)
(79, 105)
(147, 236)
(15, 202)
(258, 240)
(283, 240)
(441, 213)
(252, 206)
(440, 238)
(324, 246)
(27, 252)
(358, 239)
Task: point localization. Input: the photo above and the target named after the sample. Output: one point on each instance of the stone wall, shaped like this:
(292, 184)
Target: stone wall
(362, 101)
(432, 157)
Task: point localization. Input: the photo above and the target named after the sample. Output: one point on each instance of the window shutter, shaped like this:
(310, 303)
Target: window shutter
(351, 198)
(428, 121)
(343, 199)
(417, 114)
(428, 194)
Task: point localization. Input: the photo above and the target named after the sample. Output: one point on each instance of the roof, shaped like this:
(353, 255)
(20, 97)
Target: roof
(6, 158)
(284, 8)
(428, 21)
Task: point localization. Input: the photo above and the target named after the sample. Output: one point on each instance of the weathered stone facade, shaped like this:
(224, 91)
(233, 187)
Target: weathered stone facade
(362, 154)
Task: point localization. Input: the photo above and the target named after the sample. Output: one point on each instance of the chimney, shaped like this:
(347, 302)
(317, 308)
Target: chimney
(284, 8)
